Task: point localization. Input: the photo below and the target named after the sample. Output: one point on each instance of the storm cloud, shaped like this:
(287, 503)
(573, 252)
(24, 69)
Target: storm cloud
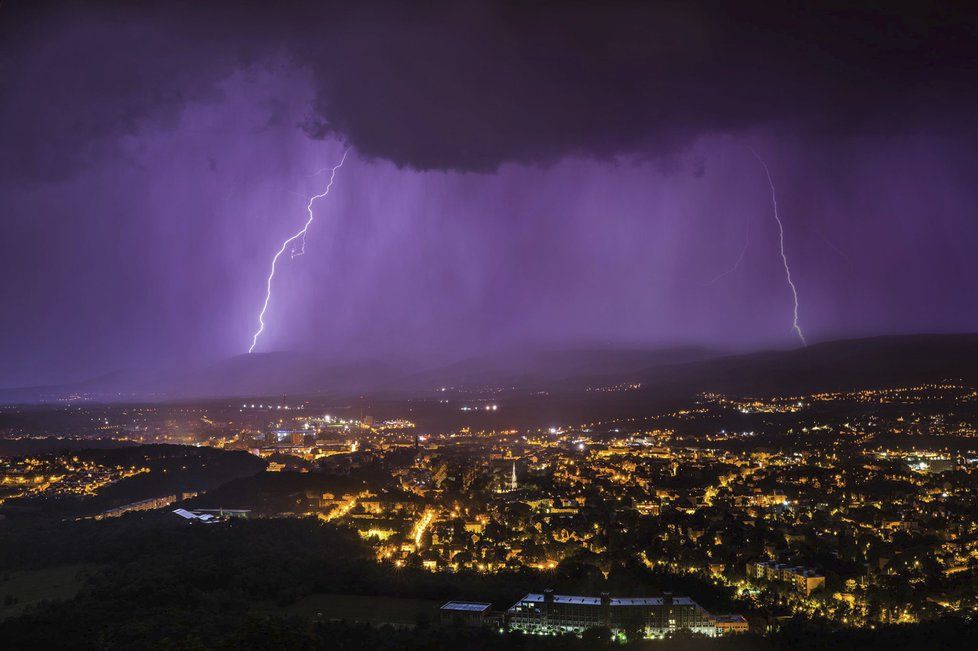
(472, 85)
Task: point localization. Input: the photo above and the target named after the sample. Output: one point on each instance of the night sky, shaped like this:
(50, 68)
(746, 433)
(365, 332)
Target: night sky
(542, 174)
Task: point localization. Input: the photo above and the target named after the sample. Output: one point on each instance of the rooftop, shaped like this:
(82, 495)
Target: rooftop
(468, 606)
(615, 601)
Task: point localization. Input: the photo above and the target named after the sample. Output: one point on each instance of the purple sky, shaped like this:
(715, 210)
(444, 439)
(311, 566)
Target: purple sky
(508, 184)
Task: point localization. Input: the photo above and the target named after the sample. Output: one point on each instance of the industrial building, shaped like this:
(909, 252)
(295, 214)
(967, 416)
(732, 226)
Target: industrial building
(549, 613)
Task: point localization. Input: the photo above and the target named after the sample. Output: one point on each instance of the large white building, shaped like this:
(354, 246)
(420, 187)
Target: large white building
(549, 613)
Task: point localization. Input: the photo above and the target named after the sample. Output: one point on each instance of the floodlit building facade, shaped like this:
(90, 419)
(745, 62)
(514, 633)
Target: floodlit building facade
(548, 613)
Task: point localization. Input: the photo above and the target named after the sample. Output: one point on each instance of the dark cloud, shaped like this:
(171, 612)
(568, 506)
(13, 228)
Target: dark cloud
(75, 79)
(479, 85)
(472, 85)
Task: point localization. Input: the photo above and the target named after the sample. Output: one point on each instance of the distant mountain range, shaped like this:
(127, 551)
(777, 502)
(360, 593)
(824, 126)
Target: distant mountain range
(899, 360)
(854, 363)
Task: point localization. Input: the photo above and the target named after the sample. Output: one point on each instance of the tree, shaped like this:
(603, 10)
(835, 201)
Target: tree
(596, 636)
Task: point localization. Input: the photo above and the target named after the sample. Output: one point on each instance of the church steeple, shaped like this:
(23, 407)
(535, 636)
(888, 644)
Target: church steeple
(512, 481)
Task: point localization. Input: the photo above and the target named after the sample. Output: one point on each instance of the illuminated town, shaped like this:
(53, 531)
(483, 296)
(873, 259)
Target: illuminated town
(855, 508)
(488, 325)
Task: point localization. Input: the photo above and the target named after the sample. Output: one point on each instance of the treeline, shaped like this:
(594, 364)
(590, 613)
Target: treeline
(309, 556)
(270, 493)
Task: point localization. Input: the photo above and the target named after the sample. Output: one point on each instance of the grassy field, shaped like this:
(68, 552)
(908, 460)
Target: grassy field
(21, 589)
(359, 608)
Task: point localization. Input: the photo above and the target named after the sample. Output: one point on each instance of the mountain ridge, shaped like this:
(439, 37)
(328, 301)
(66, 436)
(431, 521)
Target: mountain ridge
(837, 364)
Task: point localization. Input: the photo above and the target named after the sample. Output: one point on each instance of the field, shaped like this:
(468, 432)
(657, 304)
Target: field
(18, 590)
(359, 608)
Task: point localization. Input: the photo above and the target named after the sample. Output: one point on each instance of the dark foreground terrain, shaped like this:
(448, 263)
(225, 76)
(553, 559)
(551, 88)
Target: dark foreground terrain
(148, 581)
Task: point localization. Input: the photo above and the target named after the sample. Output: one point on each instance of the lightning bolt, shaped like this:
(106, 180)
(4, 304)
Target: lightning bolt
(740, 258)
(784, 258)
(300, 235)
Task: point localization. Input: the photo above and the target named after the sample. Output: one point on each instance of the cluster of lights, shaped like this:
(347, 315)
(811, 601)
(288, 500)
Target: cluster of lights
(259, 406)
(483, 408)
